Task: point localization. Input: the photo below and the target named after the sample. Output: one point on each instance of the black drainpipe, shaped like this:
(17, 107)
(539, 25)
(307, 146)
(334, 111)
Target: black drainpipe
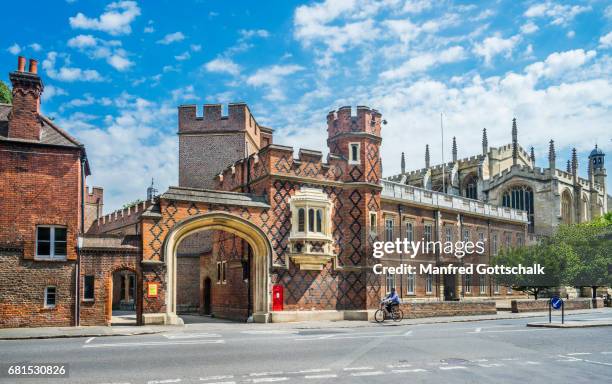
(77, 301)
(399, 212)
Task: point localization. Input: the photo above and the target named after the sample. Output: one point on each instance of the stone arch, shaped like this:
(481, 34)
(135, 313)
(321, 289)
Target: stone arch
(109, 287)
(469, 186)
(585, 207)
(567, 206)
(253, 235)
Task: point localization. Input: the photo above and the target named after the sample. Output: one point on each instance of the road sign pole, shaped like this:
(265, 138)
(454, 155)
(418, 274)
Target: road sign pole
(549, 311)
(562, 312)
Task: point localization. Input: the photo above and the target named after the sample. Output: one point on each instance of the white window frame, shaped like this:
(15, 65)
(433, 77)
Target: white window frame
(466, 235)
(496, 288)
(494, 244)
(410, 231)
(219, 272)
(429, 284)
(51, 255)
(373, 223)
(428, 232)
(224, 272)
(411, 284)
(389, 235)
(350, 153)
(46, 293)
(448, 233)
(468, 284)
(390, 281)
(483, 284)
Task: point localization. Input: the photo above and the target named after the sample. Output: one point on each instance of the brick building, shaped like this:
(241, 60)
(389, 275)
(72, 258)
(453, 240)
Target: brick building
(253, 229)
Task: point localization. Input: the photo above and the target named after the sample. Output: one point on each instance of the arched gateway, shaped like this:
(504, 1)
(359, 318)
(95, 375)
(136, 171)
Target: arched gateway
(182, 212)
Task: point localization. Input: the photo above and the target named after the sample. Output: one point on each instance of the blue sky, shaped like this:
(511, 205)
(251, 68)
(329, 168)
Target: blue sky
(115, 73)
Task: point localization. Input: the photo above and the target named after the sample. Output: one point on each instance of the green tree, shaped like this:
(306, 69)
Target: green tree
(131, 204)
(591, 252)
(5, 94)
(552, 256)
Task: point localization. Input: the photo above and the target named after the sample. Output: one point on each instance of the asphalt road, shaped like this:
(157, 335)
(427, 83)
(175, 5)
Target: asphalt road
(470, 352)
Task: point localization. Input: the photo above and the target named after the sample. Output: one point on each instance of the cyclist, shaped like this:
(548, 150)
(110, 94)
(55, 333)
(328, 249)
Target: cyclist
(391, 300)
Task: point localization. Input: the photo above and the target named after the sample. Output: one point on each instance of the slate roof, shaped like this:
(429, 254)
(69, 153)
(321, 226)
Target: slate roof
(215, 197)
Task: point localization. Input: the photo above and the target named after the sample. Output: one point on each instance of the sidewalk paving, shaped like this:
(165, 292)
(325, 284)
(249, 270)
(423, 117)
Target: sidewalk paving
(573, 324)
(221, 325)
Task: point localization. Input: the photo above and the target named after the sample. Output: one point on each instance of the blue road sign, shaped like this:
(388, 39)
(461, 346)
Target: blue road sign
(556, 302)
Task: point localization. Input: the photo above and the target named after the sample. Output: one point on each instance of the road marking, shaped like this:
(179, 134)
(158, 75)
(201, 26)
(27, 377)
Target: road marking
(477, 330)
(270, 379)
(399, 365)
(164, 381)
(371, 373)
(516, 330)
(357, 368)
(152, 343)
(578, 353)
(408, 370)
(269, 332)
(89, 340)
(222, 382)
(222, 377)
(328, 376)
(266, 373)
(173, 336)
(607, 353)
(531, 363)
(510, 359)
(480, 360)
(598, 362)
(408, 333)
(453, 367)
(315, 370)
(491, 365)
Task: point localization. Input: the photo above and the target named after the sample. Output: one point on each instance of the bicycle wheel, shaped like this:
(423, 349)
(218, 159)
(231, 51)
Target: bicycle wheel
(398, 315)
(379, 316)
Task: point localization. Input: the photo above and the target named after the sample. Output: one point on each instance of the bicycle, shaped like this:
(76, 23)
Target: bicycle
(382, 314)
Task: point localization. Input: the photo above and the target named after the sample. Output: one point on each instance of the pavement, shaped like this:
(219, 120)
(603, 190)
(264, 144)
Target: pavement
(484, 351)
(211, 324)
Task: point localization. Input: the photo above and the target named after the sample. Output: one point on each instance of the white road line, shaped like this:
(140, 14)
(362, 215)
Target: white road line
(453, 367)
(327, 376)
(399, 365)
(516, 330)
(357, 368)
(164, 381)
(371, 373)
(265, 373)
(408, 370)
(153, 343)
(222, 382)
(477, 330)
(89, 340)
(480, 360)
(578, 353)
(409, 333)
(173, 336)
(314, 370)
(598, 362)
(491, 365)
(607, 353)
(510, 359)
(531, 363)
(221, 377)
(269, 379)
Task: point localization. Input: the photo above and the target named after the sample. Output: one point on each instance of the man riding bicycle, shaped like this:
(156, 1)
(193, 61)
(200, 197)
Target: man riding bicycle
(391, 300)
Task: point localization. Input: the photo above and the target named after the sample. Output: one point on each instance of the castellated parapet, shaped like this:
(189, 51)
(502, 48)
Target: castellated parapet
(343, 121)
(208, 143)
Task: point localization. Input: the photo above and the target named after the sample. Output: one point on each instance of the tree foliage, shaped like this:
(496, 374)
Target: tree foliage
(577, 255)
(5, 94)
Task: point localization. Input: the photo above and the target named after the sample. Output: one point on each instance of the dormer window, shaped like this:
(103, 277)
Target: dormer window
(354, 149)
(310, 241)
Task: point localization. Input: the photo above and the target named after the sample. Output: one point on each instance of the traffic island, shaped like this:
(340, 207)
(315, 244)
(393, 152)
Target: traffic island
(573, 324)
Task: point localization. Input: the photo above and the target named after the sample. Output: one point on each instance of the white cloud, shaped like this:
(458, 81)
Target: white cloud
(417, 6)
(109, 50)
(67, 73)
(559, 63)
(271, 77)
(35, 47)
(115, 20)
(172, 38)
(195, 47)
(222, 65)
(14, 49)
(127, 148)
(570, 34)
(183, 56)
(423, 62)
(560, 14)
(605, 41)
(495, 45)
(529, 27)
(248, 33)
(52, 91)
(149, 28)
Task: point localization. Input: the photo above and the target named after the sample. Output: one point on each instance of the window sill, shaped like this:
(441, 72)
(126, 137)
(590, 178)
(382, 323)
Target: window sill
(37, 258)
(48, 309)
(88, 301)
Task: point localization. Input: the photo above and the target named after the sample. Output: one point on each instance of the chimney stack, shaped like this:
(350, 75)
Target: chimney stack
(24, 120)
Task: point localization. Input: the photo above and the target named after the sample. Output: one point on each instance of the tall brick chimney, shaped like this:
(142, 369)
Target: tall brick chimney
(24, 122)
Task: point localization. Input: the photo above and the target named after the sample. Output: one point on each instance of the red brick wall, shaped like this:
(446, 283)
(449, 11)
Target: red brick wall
(187, 284)
(22, 287)
(102, 265)
(40, 185)
(447, 308)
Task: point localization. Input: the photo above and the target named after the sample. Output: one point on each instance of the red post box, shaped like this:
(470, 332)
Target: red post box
(277, 297)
